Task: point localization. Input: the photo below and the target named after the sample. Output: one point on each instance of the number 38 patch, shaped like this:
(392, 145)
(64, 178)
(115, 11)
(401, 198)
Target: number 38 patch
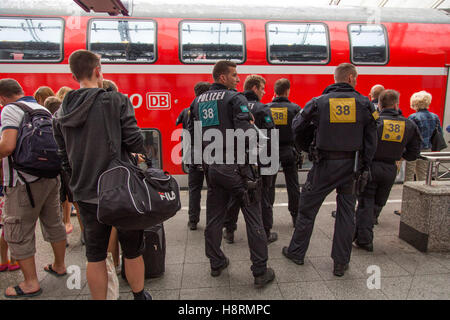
(393, 130)
(342, 110)
(208, 113)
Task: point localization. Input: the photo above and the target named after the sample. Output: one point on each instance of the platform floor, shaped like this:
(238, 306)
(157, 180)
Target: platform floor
(405, 272)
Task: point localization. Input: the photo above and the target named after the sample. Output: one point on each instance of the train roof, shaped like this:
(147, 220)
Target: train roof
(143, 8)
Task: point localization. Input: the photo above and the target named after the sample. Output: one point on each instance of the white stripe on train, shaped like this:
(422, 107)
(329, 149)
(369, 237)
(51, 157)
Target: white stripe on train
(207, 69)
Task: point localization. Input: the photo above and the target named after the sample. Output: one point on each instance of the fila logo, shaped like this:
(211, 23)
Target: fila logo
(167, 195)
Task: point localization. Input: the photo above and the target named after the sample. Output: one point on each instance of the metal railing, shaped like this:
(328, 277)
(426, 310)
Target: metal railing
(437, 160)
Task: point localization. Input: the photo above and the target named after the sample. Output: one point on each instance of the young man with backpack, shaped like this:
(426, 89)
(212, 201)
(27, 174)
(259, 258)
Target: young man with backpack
(30, 170)
(82, 127)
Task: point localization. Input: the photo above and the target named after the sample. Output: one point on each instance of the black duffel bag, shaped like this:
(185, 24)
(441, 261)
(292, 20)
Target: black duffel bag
(131, 198)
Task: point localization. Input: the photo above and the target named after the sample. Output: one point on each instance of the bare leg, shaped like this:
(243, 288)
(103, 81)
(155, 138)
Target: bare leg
(97, 278)
(113, 246)
(78, 216)
(59, 251)
(31, 283)
(3, 251)
(134, 271)
(66, 216)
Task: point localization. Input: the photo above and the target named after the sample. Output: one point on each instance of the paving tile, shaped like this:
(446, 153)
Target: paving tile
(419, 263)
(392, 245)
(396, 288)
(316, 290)
(324, 266)
(170, 280)
(198, 276)
(219, 293)
(430, 287)
(172, 294)
(442, 258)
(240, 273)
(355, 289)
(175, 254)
(249, 292)
(288, 271)
(196, 254)
(388, 268)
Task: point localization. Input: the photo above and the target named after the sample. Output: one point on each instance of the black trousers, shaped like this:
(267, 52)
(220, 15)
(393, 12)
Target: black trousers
(374, 198)
(224, 183)
(195, 183)
(323, 178)
(234, 205)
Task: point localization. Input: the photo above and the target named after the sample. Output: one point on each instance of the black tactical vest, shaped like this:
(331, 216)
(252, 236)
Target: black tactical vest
(393, 133)
(341, 122)
(283, 112)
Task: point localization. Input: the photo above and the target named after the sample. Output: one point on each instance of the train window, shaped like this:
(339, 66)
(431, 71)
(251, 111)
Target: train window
(123, 41)
(368, 44)
(31, 39)
(152, 146)
(211, 41)
(297, 43)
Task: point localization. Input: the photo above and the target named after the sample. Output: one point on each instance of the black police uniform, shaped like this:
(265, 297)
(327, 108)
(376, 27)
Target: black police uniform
(195, 177)
(221, 109)
(263, 120)
(345, 124)
(283, 112)
(398, 138)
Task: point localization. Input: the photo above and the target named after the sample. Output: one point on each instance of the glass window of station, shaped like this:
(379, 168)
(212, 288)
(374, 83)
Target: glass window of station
(297, 43)
(211, 41)
(123, 41)
(152, 146)
(31, 39)
(368, 44)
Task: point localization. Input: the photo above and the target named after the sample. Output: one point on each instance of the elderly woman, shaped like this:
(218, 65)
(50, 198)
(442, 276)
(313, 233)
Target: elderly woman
(427, 122)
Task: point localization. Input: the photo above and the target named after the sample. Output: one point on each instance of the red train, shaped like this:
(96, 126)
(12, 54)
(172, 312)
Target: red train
(157, 55)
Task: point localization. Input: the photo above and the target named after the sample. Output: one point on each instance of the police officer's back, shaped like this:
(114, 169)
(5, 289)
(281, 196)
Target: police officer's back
(398, 138)
(283, 113)
(345, 127)
(222, 108)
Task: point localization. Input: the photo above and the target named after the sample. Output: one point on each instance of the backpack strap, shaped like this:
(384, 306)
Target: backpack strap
(27, 186)
(23, 107)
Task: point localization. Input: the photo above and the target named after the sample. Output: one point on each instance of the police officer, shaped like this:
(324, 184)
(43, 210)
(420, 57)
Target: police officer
(283, 112)
(219, 109)
(195, 171)
(374, 94)
(346, 127)
(254, 87)
(398, 138)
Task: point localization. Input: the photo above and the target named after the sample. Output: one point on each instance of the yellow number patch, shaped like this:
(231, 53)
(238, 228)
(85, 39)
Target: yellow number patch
(280, 116)
(342, 110)
(393, 130)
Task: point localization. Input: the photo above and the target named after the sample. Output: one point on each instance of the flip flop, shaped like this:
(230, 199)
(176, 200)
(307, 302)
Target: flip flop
(53, 272)
(21, 294)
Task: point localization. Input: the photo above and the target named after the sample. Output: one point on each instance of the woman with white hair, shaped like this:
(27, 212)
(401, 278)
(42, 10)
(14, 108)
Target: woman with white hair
(427, 122)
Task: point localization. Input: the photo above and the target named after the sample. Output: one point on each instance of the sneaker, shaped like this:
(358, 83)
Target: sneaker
(333, 214)
(291, 257)
(148, 296)
(228, 236)
(217, 272)
(262, 280)
(13, 266)
(367, 247)
(273, 236)
(339, 269)
(192, 225)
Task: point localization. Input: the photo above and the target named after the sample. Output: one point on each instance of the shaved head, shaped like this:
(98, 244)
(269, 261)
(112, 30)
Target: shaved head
(375, 91)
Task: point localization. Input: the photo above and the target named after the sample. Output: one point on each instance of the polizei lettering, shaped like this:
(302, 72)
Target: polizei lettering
(167, 195)
(206, 311)
(209, 96)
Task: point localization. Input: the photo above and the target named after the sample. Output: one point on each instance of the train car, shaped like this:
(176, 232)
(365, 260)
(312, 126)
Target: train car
(160, 52)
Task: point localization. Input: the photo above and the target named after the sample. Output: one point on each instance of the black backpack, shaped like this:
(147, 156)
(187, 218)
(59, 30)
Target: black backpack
(36, 149)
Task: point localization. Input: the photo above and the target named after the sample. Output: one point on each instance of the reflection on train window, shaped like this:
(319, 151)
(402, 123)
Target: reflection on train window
(208, 42)
(31, 39)
(152, 146)
(368, 44)
(297, 43)
(123, 40)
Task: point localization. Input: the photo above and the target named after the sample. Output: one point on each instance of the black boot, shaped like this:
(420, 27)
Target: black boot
(339, 269)
(262, 280)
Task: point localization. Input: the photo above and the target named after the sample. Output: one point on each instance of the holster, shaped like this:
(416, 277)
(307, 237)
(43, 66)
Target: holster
(252, 178)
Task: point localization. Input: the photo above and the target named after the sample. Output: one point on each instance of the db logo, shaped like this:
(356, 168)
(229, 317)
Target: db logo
(167, 195)
(158, 100)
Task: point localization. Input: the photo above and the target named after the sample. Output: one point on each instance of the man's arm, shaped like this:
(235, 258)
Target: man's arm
(62, 151)
(412, 148)
(8, 142)
(304, 117)
(370, 138)
(131, 135)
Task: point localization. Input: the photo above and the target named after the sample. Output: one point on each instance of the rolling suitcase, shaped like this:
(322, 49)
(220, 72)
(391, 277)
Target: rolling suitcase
(155, 252)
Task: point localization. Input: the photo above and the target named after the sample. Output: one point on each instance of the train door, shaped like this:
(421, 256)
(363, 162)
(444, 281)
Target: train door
(446, 121)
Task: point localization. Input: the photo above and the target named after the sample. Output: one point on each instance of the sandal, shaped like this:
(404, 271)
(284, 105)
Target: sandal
(3, 267)
(21, 294)
(53, 272)
(13, 266)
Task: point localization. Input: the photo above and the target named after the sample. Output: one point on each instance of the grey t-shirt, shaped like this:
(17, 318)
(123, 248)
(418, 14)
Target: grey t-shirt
(10, 119)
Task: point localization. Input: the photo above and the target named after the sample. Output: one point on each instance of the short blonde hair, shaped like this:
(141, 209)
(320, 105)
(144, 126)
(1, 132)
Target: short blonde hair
(109, 85)
(420, 100)
(62, 92)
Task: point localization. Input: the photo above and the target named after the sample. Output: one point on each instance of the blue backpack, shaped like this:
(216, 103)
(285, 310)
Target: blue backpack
(36, 149)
